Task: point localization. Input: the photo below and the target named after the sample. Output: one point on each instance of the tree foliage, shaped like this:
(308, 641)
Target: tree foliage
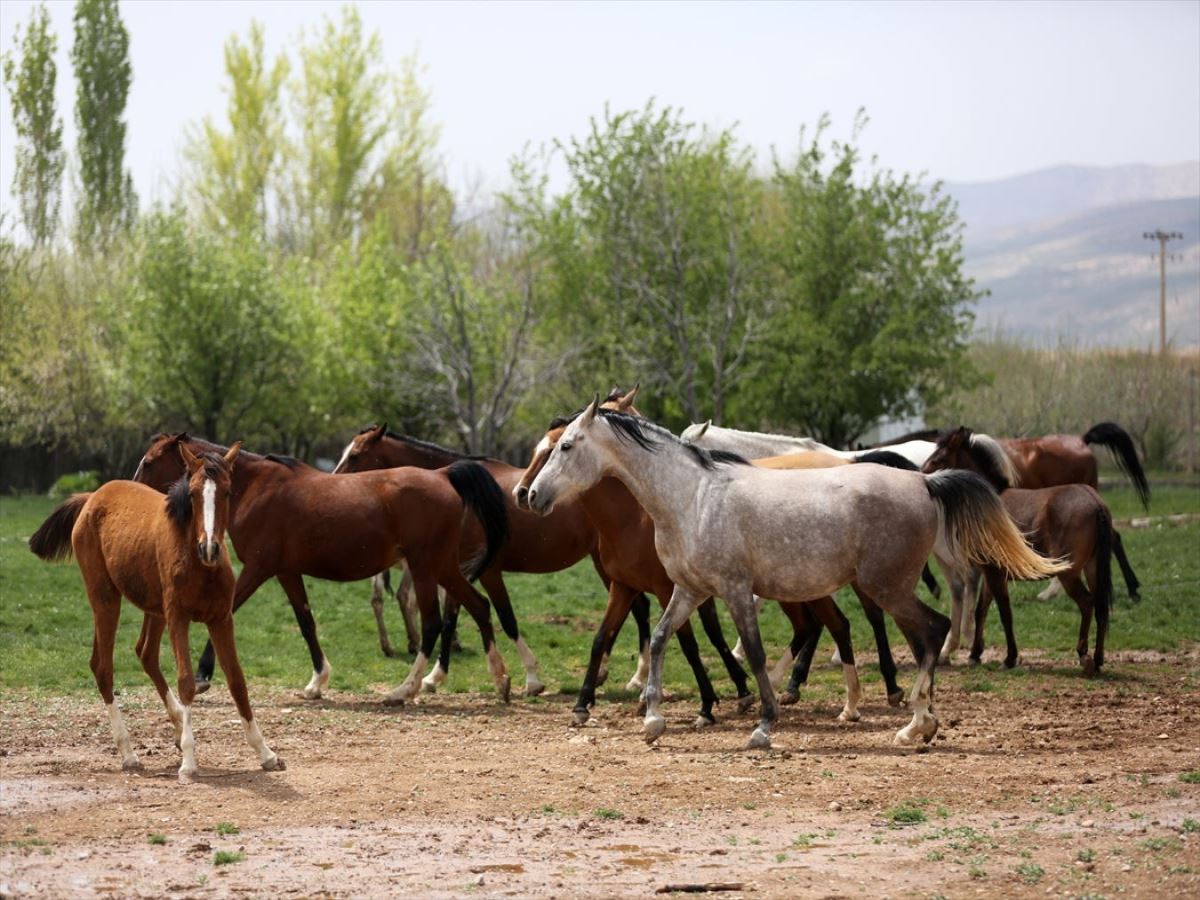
(106, 202)
(30, 75)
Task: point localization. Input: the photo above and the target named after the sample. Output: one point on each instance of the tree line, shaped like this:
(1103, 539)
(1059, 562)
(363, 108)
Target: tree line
(314, 271)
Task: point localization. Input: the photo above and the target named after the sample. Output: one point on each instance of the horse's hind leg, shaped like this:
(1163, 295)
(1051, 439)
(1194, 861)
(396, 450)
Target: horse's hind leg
(738, 652)
(691, 652)
(148, 645)
(620, 598)
(381, 586)
(425, 586)
(221, 634)
(106, 614)
(248, 582)
(712, 628)
(955, 580)
(431, 682)
(458, 588)
(1083, 599)
(827, 612)
(887, 664)
(293, 586)
(493, 583)
(806, 636)
(406, 599)
(997, 586)
(641, 618)
(1131, 580)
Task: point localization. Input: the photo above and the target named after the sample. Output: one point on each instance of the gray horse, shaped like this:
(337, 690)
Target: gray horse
(732, 530)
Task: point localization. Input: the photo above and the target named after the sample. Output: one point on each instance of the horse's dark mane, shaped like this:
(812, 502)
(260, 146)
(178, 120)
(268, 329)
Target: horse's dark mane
(429, 446)
(290, 461)
(989, 466)
(648, 435)
(179, 498)
(887, 458)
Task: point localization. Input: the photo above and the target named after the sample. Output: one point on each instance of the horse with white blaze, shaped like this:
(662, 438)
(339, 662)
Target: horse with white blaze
(727, 529)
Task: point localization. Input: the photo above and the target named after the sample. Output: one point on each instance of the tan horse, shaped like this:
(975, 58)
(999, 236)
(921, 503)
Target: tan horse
(167, 555)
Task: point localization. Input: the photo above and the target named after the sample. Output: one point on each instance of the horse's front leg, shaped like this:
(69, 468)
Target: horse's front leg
(177, 630)
(739, 652)
(743, 610)
(682, 603)
(221, 634)
(293, 586)
(406, 599)
(957, 583)
(248, 582)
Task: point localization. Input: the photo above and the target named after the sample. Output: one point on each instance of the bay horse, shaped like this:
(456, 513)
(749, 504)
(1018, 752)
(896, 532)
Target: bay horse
(535, 544)
(288, 520)
(167, 556)
(732, 530)
(628, 553)
(1068, 521)
(1055, 459)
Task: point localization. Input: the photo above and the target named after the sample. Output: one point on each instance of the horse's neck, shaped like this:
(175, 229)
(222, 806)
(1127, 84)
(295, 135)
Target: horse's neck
(755, 444)
(666, 483)
(400, 452)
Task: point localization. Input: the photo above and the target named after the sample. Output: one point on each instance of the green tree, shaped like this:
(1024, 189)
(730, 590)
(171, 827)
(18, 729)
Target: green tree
(232, 172)
(106, 204)
(363, 135)
(30, 74)
(875, 310)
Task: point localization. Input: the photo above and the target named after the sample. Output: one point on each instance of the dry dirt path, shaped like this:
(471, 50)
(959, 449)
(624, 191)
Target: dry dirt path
(1042, 785)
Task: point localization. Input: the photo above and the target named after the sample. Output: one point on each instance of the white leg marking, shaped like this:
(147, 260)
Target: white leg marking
(956, 611)
(187, 769)
(408, 688)
(210, 508)
(738, 653)
(1053, 589)
(853, 694)
(782, 669)
(129, 760)
(499, 672)
(602, 672)
(836, 658)
(923, 726)
(638, 681)
(431, 682)
(175, 711)
(319, 680)
(533, 684)
(266, 756)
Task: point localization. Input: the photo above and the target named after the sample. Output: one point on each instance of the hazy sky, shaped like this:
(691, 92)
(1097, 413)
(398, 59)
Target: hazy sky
(963, 91)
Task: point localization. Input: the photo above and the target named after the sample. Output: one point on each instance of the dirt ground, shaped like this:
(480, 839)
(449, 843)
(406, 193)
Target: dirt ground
(1042, 785)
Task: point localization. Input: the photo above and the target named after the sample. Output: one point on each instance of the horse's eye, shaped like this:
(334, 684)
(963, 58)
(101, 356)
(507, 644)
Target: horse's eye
(566, 446)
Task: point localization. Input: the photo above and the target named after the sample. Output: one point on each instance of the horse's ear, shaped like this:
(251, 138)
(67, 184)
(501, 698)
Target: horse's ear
(376, 433)
(190, 459)
(232, 452)
(703, 428)
(627, 401)
(590, 412)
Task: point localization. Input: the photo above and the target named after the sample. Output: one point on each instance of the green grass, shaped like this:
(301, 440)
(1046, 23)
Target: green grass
(227, 828)
(226, 857)
(158, 839)
(46, 627)
(909, 813)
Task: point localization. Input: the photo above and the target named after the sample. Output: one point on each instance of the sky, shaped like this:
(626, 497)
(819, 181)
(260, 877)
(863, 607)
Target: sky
(958, 91)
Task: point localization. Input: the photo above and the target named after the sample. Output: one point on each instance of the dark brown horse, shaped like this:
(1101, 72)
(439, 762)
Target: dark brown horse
(289, 520)
(167, 555)
(536, 544)
(1069, 521)
(628, 552)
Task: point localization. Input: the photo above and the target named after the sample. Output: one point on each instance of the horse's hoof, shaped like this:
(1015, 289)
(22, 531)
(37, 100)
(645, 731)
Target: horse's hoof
(1089, 666)
(132, 765)
(896, 698)
(974, 660)
(312, 693)
(704, 720)
(847, 715)
(389, 652)
(788, 698)
(653, 728)
(579, 717)
(504, 689)
(759, 740)
(394, 700)
(944, 659)
(428, 687)
(634, 685)
(1010, 662)
(187, 776)
(202, 685)
(914, 734)
(745, 703)
(1135, 597)
(274, 764)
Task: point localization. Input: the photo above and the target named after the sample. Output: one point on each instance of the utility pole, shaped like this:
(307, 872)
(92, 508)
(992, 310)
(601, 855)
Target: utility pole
(1162, 237)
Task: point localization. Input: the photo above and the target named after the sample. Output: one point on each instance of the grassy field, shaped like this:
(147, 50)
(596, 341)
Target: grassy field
(45, 621)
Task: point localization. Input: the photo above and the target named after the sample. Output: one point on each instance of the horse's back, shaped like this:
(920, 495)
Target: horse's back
(1052, 460)
(117, 536)
(805, 459)
(1061, 519)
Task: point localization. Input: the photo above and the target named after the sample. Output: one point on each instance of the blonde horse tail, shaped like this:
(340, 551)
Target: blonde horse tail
(52, 541)
(977, 529)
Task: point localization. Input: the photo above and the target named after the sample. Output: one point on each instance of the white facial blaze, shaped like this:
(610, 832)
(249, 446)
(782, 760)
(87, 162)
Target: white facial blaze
(345, 456)
(210, 508)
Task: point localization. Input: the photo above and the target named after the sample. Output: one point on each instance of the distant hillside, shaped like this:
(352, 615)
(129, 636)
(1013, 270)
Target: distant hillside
(1062, 252)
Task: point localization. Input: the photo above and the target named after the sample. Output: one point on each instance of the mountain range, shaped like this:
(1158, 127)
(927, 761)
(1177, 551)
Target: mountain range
(1062, 253)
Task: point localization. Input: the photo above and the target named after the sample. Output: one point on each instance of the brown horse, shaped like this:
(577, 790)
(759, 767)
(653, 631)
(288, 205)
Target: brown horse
(1068, 521)
(628, 552)
(535, 544)
(289, 520)
(168, 557)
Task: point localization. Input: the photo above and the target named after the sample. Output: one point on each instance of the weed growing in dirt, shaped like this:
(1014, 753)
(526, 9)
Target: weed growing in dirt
(780, 857)
(908, 813)
(1192, 777)
(977, 871)
(228, 857)
(749, 804)
(227, 828)
(1031, 873)
(1086, 855)
(731, 840)
(1174, 793)
(803, 841)
(158, 839)
(1189, 826)
(604, 812)
(1158, 844)
(935, 856)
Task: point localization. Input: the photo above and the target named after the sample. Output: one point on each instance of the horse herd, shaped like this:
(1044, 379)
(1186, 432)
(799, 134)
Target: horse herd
(714, 513)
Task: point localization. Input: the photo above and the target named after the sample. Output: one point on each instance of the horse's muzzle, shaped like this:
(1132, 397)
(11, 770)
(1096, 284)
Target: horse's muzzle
(521, 494)
(540, 502)
(209, 552)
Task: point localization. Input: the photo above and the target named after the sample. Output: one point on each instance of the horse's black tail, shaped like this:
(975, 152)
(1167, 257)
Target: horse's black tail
(1120, 445)
(1102, 590)
(888, 458)
(479, 491)
(52, 541)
